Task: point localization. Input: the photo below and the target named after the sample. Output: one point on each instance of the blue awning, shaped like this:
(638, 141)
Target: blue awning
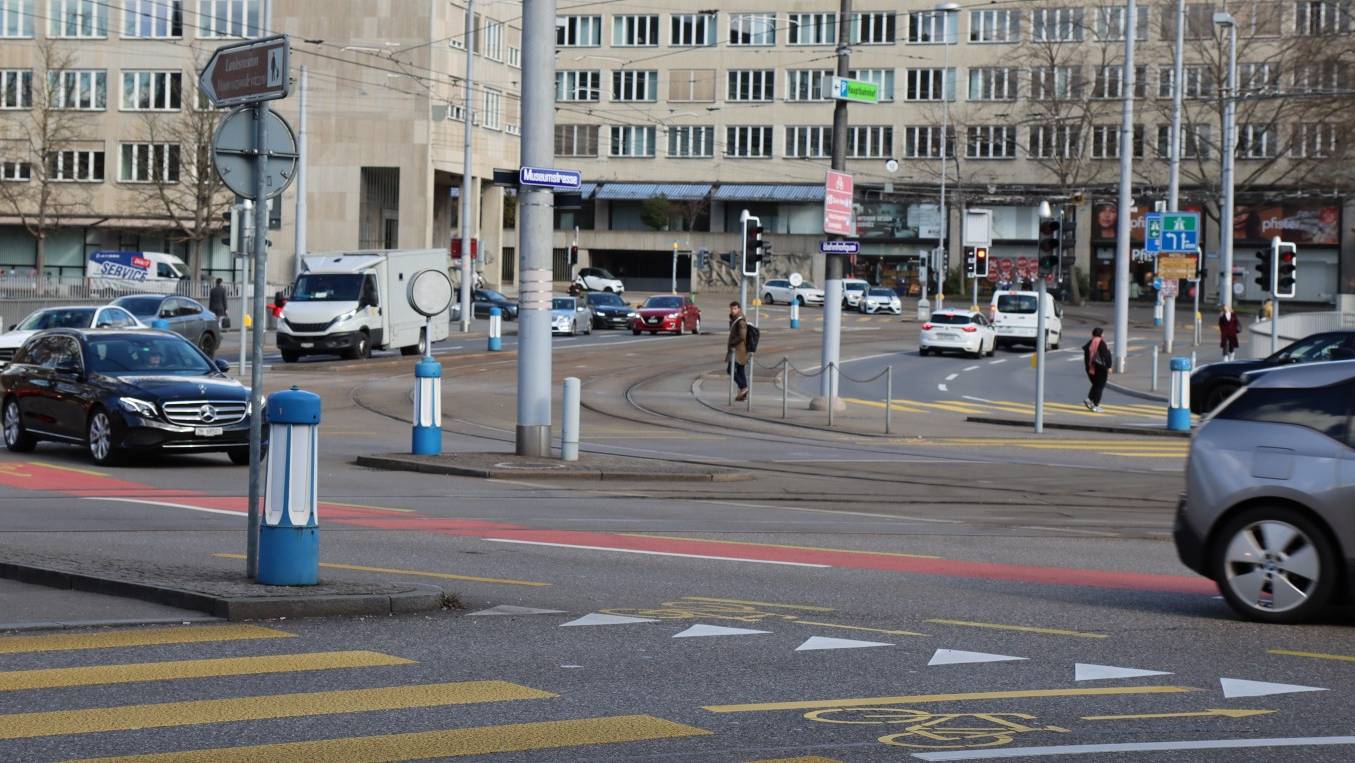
(586, 190)
(769, 192)
(642, 191)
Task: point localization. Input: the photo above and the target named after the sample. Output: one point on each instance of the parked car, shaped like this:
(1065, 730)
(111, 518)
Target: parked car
(853, 289)
(598, 279)
(484, 299)
(1014, 318)
(609, 310)
(1269, 488)
(115, 391)
(667, 313)
(1213, 383)
(570, 316)
(187, 317)
(880, 300)
(780, 290)
(76, 317)
(962, 330)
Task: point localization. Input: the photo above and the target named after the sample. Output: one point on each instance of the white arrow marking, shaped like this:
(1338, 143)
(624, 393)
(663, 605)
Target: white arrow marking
(958, 657)
(823, 642)
(697, 631)
(597, 619)
(1238, 687)
(509, 609)
(1085, 672)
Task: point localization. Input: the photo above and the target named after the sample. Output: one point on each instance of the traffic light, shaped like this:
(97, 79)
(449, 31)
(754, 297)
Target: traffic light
(753, 246)
(1286, 277)
(1263, 270)
(1049, 246)
(981, 262)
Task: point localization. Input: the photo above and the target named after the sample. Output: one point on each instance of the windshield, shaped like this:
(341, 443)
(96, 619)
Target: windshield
(1312, 349)
(664, 302)
(149, 354)
(854, 286)
(562, 303)
(141, 307)
(490, 295)
(880, 293)
(805, 285)
(603, 273)
(1023, 304)
(950, 319)
(327, 287)
(606, 298)
(76, 318)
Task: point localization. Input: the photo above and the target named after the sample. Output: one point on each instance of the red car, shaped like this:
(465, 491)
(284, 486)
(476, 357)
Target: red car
(672, 313)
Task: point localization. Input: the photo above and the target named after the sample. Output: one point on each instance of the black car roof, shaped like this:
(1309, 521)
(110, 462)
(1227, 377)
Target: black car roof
(87, 333)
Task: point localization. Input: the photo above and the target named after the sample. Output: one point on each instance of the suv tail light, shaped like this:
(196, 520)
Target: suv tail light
(970, 329)
(926, 327)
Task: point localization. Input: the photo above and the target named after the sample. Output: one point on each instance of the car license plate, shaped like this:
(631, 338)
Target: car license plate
(653, 320)
(944, 335)
(308, 345)
(208, 431)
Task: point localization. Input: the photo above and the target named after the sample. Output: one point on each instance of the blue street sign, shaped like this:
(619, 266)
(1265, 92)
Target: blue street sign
(1180, 232)
(839, 247)
(1152, 232)
(569, 180)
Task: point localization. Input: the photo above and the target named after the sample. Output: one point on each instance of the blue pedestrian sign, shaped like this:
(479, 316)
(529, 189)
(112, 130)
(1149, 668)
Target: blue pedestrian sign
(839, 247)
(1171, 232)
(544, 177)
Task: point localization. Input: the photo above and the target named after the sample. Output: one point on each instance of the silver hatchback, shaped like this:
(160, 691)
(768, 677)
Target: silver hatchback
(1269, 507)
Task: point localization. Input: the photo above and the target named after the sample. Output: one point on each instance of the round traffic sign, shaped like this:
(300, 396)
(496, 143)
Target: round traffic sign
(234, 154)
(429, 292)
(796, 279)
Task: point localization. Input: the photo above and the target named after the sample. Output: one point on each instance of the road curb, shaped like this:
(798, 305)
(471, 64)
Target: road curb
(1079, 427)
(554, 471)
(1130, 391)
(421, 598)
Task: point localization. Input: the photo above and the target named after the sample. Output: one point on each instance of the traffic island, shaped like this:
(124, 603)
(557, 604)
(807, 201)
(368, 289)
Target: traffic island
(590, 466)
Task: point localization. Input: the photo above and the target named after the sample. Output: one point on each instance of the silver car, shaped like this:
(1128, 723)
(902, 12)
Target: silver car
(570, 316)
(1269, 507)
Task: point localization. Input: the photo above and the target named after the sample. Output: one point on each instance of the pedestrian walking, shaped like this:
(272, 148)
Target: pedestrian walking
(1229, 328)
(1096, 358)
(738, 348)
(216, 302)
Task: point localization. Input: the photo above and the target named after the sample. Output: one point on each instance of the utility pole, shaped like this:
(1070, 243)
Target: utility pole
(300, 245)
(1123, 219)
(535, 229)
(469, 124)
(832, 292)
(256, 339)
(1174, 181)
(1227, 21)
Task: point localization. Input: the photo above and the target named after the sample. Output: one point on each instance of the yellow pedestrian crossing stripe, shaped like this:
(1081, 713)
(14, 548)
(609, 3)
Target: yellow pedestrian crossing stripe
(186, 634)
(1135, 448)
(976, 408)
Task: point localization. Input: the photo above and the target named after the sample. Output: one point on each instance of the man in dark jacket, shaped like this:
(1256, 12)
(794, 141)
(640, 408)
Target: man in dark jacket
(216, 301)
(738, 348)
(1096, 358)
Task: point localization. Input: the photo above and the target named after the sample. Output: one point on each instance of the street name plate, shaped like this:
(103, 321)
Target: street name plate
(545, 177)
(839, 247)
(855, 90)
(248, 72)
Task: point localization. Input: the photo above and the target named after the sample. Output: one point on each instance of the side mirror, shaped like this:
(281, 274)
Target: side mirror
(223, 365)
(11, 327)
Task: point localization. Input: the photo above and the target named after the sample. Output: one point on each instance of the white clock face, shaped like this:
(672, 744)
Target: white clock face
(892, 165)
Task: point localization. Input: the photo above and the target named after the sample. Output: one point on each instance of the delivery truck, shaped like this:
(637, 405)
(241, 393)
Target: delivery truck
(140, 272)
(349, 303)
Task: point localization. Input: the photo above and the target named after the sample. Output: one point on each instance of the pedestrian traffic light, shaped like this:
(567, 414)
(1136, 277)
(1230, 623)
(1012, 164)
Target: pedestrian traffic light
(752, 248)
(1287, 273)
(1263, 269)
(1049, 246)
(981, 262)
(969, 264)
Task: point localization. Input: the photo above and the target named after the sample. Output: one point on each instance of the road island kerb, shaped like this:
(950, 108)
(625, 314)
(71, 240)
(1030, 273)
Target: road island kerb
(590, 466)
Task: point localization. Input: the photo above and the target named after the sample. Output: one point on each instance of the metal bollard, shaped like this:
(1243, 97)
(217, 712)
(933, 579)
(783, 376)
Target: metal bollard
(569, 420)
(889, 399)
(1157, 313)
(1192, 359)
(495, 329)
(785, 386)
(289, 539)
(1153, 386)
(731, 379)
(427, 436)
(832, 390)
(1178, 414)
(749, 371)
(795, 314)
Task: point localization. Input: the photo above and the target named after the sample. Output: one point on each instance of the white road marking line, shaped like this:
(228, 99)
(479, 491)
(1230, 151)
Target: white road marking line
(1028, 355)
(972, 368)
(1074, 360)
(904, 518)
(166, 504)
(1166, 746)
(952, 377)
(942, 387)
(995, 362)
(656, 553)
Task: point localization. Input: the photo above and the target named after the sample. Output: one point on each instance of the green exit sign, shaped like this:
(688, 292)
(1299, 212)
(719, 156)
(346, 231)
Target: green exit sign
(855, 90)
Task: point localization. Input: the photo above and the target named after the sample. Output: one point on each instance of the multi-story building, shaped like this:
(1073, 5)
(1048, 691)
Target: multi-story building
(104, 138)
(721, 110)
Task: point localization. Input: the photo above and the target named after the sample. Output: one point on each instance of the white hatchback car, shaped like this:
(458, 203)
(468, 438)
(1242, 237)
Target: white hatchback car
(878, 299)
(780, 290)
(960, 330)
(598, 279)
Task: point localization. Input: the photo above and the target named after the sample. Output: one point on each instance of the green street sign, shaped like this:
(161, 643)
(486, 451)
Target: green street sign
(855, 90)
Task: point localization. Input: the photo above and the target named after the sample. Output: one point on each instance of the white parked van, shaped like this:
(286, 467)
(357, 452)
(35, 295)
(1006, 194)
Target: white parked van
(140, 272)
(1014, 318)
(349, 303)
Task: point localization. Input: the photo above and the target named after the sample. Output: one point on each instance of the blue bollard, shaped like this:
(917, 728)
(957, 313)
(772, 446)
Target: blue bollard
(1178, 414)
(495, 329)
(160, 324)
(1157, 313)
(428, 408)
(795, 314)
(289, 538)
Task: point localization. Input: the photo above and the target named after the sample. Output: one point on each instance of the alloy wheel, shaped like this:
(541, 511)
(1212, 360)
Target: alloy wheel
(1272, 566)
(12, 427)
(100, 436)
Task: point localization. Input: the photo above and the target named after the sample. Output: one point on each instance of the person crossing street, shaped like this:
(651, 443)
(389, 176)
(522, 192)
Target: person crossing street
(1096, 358)
(737, 349)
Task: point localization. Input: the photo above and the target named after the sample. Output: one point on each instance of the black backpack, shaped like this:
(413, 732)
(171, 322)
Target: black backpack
(752, 337)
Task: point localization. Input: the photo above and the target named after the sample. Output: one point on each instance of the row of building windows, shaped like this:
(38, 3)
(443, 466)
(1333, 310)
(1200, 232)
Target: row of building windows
(87, 89)
(1256, 18)
(141, 19)
(1254, 141)
(139, 163)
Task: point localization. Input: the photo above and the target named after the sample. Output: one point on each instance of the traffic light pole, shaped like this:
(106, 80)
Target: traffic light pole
(832, 292)
(1126, 197)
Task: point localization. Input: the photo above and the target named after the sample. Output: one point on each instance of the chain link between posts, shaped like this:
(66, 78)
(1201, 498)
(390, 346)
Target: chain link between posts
(784, 368)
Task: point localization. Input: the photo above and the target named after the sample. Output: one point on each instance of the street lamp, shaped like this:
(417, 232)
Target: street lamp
(1226, 20)
(947, 11)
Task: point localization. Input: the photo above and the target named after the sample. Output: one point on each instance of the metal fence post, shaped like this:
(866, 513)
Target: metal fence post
(832, 377)
(1154, 384)
(731, 379)
(785, 386)
(752, 367)
(889, 399)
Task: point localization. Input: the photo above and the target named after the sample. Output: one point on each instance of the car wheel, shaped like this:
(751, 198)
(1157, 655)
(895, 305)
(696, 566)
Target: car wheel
(800, 300)
(239, 456)
(608, 290)
(362, 350)
(289, 356)
(767, 299)
(976, 354)
(208, 344)
(923, 351)
(100, 440)
(697, 330)
(1218, 393)
(681, 328)
(17, 439)
(992, 349)
(1275, 565)
(635, 332)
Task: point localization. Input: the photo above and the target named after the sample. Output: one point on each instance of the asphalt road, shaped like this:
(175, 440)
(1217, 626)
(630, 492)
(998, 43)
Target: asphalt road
(930, 597)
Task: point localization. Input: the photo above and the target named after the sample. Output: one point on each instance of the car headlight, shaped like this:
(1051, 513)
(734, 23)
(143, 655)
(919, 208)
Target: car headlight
(344, 317)
(138, 406)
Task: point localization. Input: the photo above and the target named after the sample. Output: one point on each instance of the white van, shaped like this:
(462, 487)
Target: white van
(1014, 318)
(140, 272)
(349, 303)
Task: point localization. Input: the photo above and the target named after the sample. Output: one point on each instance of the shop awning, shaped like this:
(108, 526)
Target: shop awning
(642, 191)
(769, 192)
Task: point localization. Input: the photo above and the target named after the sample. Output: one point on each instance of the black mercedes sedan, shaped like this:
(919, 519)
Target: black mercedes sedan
(117, 392)
(609, 310)
(1211, 384)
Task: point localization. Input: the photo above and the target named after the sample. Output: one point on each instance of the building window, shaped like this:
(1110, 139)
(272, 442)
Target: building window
(15, 171)
(491, 117)
(158, 19)
(635, 86)
(692, 29)
(578, 85)
(1256, 141)
(811, 28)
(930, 27)
(1321, 77)
(992, 84)
(1110, 22)
(1056, 24)
(812, 142)
(632, 141)
(748, 142)
(991, 142)
(690, 142)
(806, 84)
(752, 29)
(77, 18)
(230, 18)
(1106, 142)
(1056, 83)
(870, 142)
(1315, 141)
(149, 162)
(1110, 82)
(925, 142)
(578, 31)
(1319, 17)
(16, 18)
(752, 85)
(994, 26)
(930, 85)
(883, 78)
(490, 40)
(85, 90)
(1199, 81)
(76, 166)
(1259, 78)
(16, 89)
(1199, 21)
(873, 28)
(1257, 18)
(515, 56)
(635, 31)
(691, 85)
(576, 140)
(1194, 141)
(1055, 142)
(151, 91)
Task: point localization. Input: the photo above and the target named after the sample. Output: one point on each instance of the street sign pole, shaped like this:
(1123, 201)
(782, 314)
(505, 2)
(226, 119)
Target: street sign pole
(832, 293)
(256, 339)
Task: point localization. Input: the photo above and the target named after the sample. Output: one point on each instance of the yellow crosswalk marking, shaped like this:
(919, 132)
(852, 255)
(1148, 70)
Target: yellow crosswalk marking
(187, 634)
(167, 714)
(481, 740)
(50, 678)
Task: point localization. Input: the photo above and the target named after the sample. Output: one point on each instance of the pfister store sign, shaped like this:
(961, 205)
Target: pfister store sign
(124, 266)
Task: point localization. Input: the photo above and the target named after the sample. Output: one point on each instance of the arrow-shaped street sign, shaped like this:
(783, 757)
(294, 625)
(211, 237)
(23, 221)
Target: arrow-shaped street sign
(248, 72)
(1215, 712)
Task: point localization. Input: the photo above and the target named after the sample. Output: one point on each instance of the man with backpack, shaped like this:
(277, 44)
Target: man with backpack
(1097, 359)
(743, 340)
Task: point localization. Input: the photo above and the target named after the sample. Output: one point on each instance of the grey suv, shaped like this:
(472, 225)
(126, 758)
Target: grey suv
(1269, 507)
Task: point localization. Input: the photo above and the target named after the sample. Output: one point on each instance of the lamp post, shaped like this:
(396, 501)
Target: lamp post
(1229, 23)
(1174, 180)
(1126, 203)
(947, 11)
